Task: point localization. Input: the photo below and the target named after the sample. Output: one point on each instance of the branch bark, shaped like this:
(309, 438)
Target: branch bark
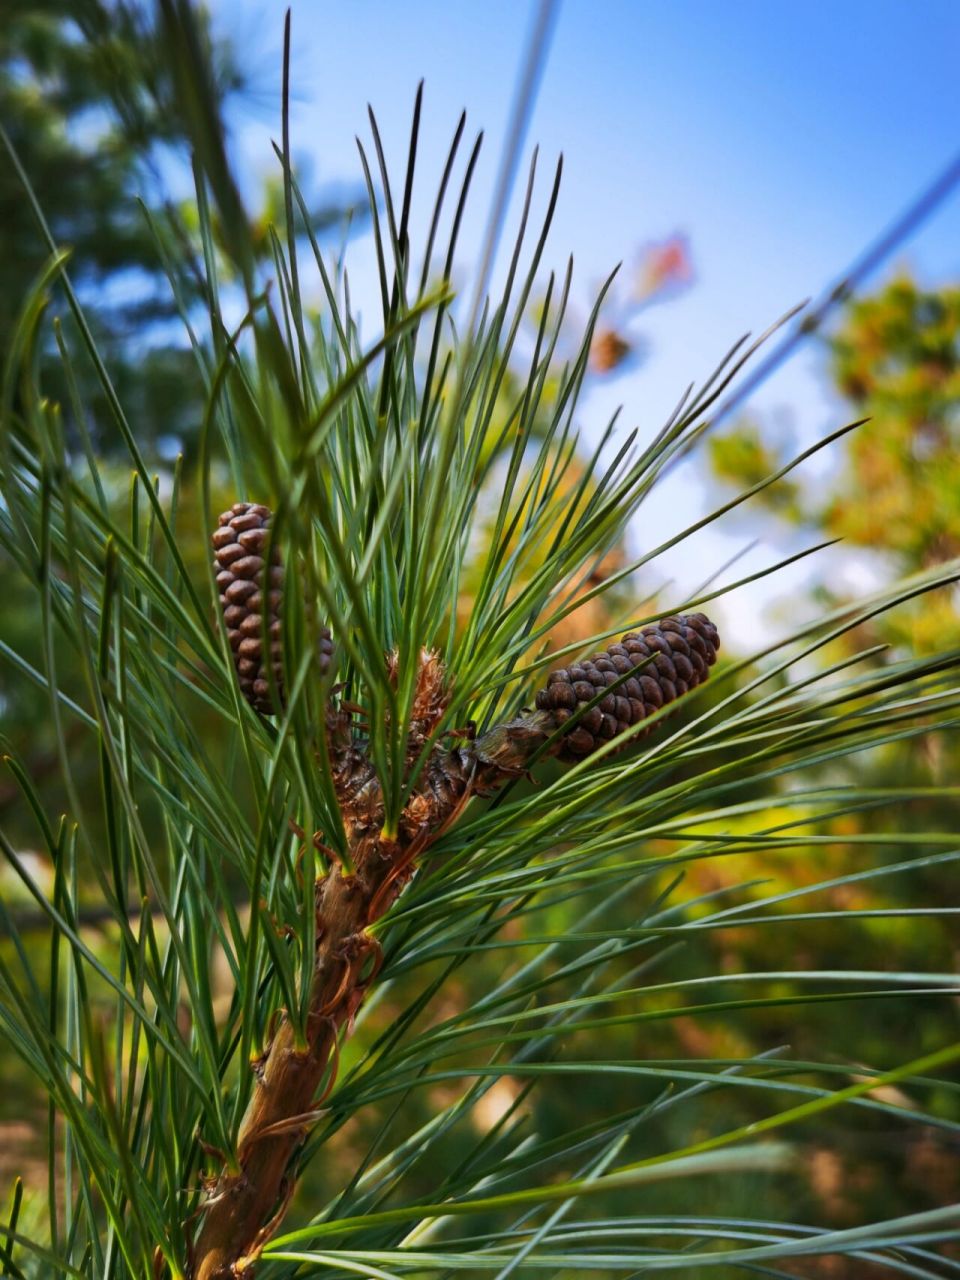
(247, 1204)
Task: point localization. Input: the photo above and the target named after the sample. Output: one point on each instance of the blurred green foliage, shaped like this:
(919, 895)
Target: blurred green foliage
(86, 97)
(894, 497)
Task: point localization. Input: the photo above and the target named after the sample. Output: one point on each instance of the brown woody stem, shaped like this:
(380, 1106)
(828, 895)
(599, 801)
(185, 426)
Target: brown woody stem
(245, 1208)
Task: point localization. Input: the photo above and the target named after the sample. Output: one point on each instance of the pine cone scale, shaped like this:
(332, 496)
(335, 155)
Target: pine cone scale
(239, 590)
(228, 555)
(247, 567)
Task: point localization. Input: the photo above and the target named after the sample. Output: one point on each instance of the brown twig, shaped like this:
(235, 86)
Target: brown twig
(246, 1207)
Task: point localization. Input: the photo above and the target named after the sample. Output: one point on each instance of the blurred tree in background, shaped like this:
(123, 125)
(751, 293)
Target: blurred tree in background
(897, 359)
(895, 496)
(87, 99)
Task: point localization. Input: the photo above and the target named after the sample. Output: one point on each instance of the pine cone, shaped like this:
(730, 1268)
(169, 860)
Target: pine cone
(682, 649)
(239, 546)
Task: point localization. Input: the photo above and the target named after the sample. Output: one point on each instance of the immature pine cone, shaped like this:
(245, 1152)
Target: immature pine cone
(683, 650)
(240, 544)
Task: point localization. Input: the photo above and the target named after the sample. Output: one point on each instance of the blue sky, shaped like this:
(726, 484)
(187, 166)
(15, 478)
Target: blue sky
(781, 138)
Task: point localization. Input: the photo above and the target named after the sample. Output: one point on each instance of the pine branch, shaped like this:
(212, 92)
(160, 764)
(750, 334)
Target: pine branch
(246, 1204)
(579, 709)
